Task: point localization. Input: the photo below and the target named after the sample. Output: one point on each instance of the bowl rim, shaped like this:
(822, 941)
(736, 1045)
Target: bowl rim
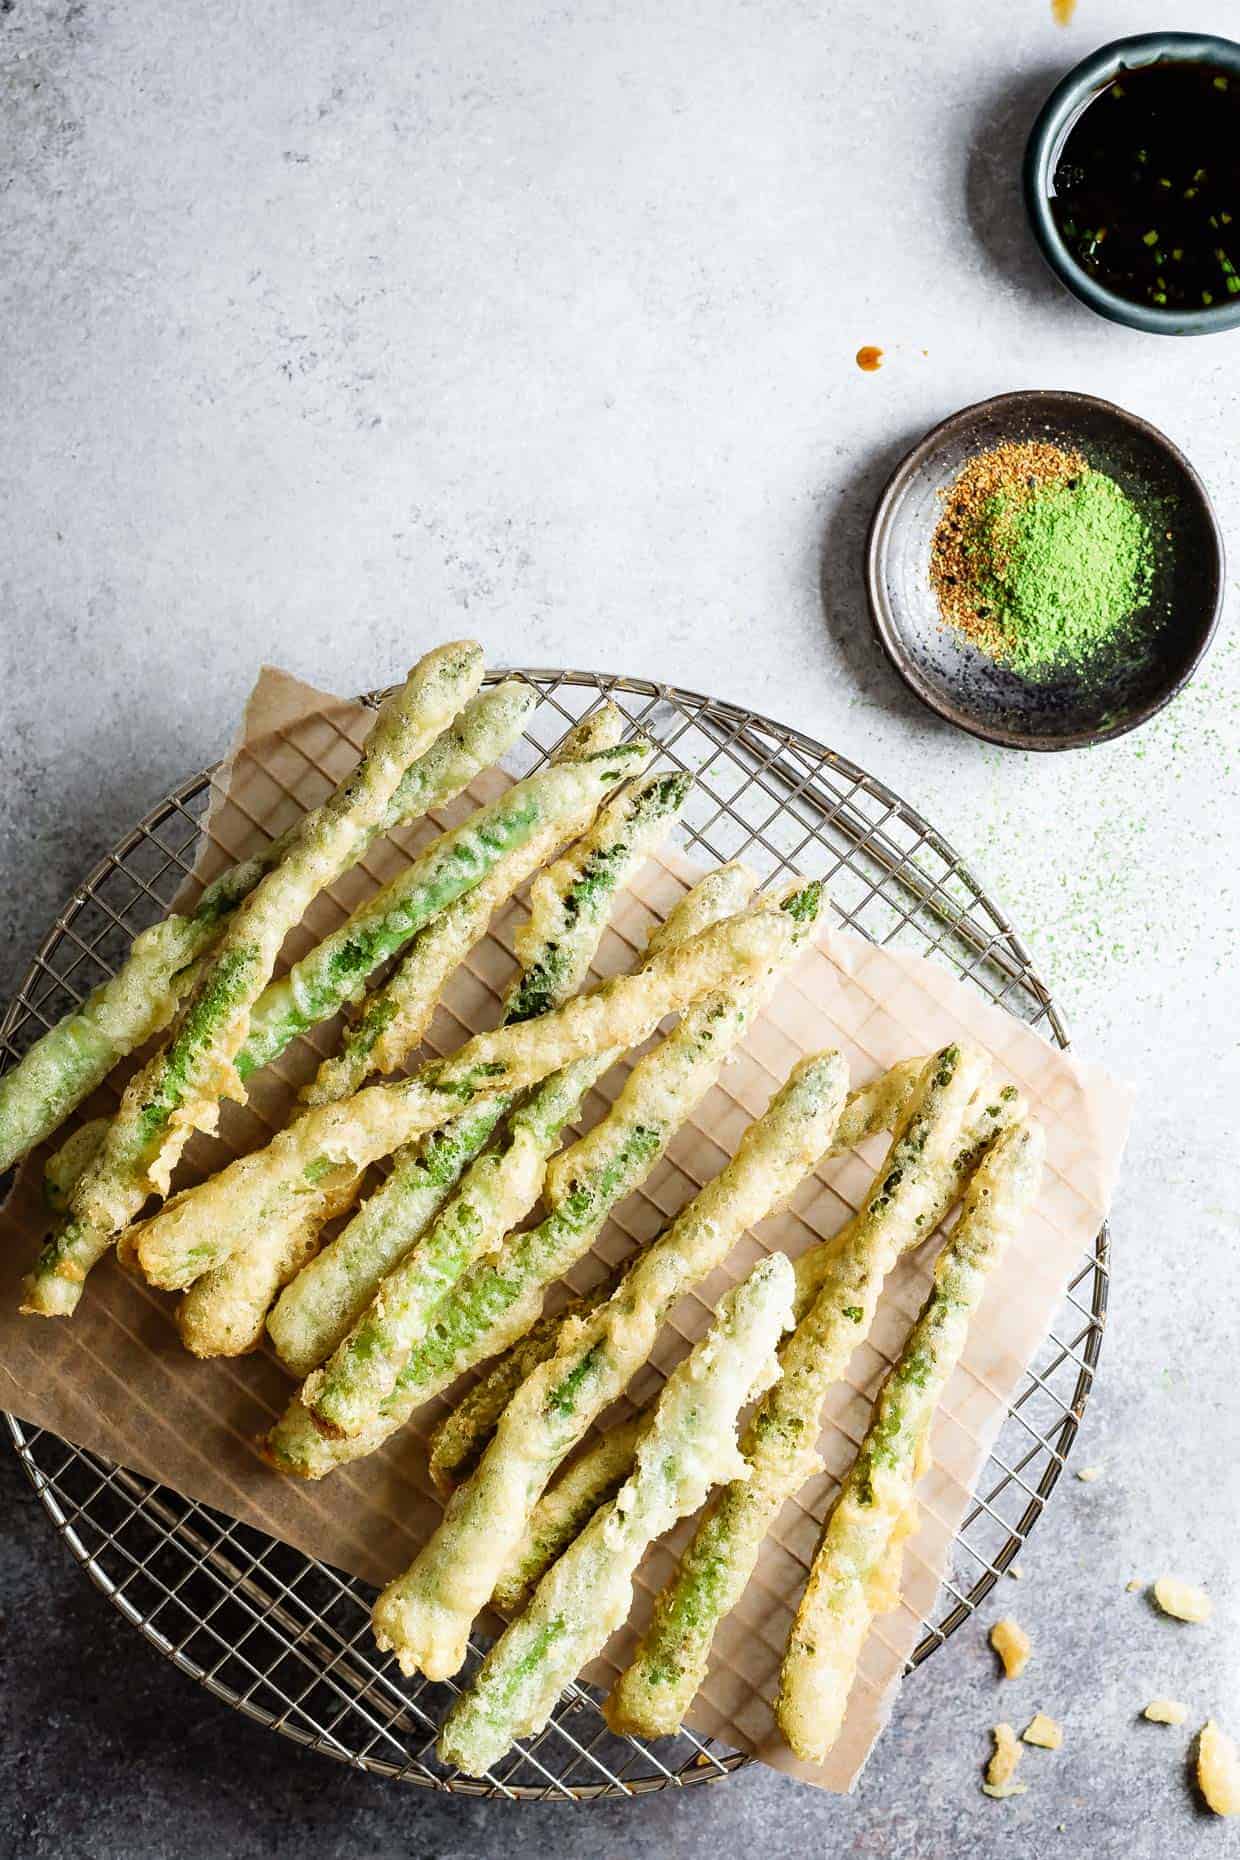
(876, 542)
(1046, 137)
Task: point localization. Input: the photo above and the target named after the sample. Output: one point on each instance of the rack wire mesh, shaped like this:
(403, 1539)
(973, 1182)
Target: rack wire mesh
(285, 1638)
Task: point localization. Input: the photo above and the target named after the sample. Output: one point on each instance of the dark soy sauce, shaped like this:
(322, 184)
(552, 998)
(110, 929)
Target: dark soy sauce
(1146, 191)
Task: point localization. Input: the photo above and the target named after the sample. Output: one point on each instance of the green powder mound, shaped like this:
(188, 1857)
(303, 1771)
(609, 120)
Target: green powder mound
(1065, 565)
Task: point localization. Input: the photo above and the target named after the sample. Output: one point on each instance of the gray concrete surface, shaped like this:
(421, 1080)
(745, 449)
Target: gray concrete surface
(333, 329)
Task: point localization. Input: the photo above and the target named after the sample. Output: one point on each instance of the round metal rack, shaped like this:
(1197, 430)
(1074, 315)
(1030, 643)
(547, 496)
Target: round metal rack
(285, 1638)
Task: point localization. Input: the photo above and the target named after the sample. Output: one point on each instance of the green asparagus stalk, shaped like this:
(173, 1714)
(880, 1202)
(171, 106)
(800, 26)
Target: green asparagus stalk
(456, 1444)
(989, 1114)
(690, 1446)
(224, 1312)
(457, 1440)
(164, 960)
(565, 1509)
(651, 1697)
(453, 1575)
(569, 908)
(179, 1088)
(199, 1227)
(123, 1013)
(496, 1301)
(498, 1192)
(440, 874)
(594, 1475)
(67, 1163)
(855, 1574)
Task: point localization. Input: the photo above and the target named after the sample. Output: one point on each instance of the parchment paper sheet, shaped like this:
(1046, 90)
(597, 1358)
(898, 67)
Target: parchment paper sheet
(115, 1379)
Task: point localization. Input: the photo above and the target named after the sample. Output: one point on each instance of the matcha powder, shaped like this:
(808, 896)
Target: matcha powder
(1038, 559)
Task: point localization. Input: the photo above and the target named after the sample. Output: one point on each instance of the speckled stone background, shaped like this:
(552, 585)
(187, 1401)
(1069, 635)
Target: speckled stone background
(331, 329)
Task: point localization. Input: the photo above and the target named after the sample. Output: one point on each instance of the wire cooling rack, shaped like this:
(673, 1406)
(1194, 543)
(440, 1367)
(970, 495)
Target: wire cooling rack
(285, 1638)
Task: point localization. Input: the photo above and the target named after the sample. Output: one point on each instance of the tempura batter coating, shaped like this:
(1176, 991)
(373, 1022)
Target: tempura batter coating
(230, 1303)
(459, 1438)
(200, 1226)
(179, 1088)
(164, 961)
(565, 1509)
(453, 1576)
(691, 1444)
(555, 947)
(780, 1445)
(855, 1570)
(496, 1301)
(497, 1193)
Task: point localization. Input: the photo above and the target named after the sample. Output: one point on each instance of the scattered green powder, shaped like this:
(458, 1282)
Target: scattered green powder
(1039, 559)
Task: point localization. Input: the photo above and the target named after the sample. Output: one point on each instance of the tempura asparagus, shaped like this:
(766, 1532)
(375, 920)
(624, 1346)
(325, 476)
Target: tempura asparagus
(120, 1015)
(495, 1196)
(569, 907)
(119, 1180)
(690, 1446)
(224, 1312)
(453, 1575)
(496, 1301)
(179, 1088)
(458, 1439)
(597, 1473)
(198, 1227)
(855, 1573)
(565, 1509)
(780, 1443)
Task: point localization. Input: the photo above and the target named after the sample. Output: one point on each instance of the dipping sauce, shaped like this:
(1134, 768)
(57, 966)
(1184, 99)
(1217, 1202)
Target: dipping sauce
(1146, 191)
(869, 358)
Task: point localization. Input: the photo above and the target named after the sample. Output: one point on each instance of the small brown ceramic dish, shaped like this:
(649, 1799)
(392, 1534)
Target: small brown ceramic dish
(1123, 686)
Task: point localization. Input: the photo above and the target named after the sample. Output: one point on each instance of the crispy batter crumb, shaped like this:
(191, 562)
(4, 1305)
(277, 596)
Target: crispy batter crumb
(1135, 1586)
(1087, 1474)
(1012, 1645)
(1165, 1711)
(1218, 1770)
(1016, 1572)
(1182, 1600)
(1043, 1731)
(1002, 1766)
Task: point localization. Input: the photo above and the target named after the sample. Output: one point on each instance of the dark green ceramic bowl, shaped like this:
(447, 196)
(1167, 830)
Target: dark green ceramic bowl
(1060, 112)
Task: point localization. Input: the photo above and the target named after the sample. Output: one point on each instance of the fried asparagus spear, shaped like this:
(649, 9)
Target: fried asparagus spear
(381, 1256)
(496, 1300)
(224, 1312)
(565, 1509)
(199, 1227)
(121, 1014)
(452, 1577)
(179, 1088)
(855, 1574)
(457, 1441)
(598, 1472)
(497, 1194)
(690, 1446)
(158, 1108)
(651, 1697)
(331, 1289)
(488, 726)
